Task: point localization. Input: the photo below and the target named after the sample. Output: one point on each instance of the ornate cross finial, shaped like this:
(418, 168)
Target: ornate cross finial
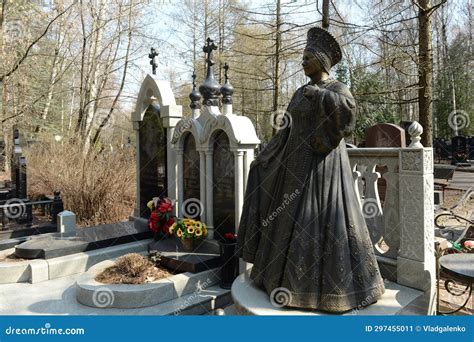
(227, 89)
(208, 48)
(226, 69)
(195, 96)
(210, 89)
(194, 79)
(152, 55)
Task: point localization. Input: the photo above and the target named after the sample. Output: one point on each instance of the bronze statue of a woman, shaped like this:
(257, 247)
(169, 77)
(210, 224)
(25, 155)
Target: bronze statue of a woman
(302, 226)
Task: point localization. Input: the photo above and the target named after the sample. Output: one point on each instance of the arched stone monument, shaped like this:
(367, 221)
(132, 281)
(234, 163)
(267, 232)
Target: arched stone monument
(154, 119)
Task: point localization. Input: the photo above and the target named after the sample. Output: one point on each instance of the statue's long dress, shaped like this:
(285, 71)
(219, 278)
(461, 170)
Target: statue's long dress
(302, 226)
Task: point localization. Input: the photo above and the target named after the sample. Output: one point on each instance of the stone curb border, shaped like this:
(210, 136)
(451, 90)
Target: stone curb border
(91, 293)
(38, 270)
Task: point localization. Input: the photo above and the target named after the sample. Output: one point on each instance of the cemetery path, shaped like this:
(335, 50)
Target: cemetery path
(58, 297)
(461, 180)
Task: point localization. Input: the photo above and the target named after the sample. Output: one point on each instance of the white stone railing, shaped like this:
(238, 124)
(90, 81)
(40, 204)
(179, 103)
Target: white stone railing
(401, 226)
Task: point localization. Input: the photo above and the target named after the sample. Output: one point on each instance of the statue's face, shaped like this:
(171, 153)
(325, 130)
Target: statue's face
(310, 64)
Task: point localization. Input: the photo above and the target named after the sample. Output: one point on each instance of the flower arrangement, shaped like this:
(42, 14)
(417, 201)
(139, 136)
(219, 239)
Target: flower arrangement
(161, 218)
(188, 229)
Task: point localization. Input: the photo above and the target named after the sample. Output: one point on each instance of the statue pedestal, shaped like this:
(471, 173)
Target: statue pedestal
(397, 300)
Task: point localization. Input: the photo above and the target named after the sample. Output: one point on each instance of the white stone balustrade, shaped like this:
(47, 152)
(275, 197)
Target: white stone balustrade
(402, 227)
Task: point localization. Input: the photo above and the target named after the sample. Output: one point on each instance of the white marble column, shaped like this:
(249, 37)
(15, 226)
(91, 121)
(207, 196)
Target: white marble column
(239, 185)
(209, 194)
(179, 180)
(202, 184)
(136, 128)
(248, 159)
(416, 260)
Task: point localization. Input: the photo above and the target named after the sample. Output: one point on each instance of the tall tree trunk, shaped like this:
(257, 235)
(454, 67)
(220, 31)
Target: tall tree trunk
(124, 76)
(425, 72)
(276, 77)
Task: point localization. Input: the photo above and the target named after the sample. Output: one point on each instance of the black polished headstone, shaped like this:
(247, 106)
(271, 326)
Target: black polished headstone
(205, 257)
(470, 142)
(441, 148)
(191, 170)
(152, 159)
(223, 186)
(86, 239)
(459, 149)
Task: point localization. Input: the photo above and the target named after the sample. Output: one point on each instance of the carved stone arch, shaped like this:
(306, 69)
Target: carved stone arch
(154, 118)
(152, 91)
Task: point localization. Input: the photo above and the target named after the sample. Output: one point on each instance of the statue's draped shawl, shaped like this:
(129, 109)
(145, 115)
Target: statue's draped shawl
(302, 225)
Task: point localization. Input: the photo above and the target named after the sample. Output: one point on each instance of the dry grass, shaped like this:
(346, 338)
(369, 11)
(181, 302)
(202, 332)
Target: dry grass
(97, 187)
(10, 258)
(132, 268)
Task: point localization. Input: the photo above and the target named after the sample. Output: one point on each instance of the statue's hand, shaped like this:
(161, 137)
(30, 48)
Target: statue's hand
(310, 90)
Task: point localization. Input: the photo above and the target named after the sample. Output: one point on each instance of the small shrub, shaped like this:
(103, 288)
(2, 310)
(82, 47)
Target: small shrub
(132, 264)
(99, 187)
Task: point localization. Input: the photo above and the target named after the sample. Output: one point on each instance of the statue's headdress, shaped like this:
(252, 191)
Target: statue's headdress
(324, 47)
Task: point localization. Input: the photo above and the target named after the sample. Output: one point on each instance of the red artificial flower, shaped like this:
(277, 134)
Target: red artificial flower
(166, 206)
(153, 221)
(167, 225)
(230, 236)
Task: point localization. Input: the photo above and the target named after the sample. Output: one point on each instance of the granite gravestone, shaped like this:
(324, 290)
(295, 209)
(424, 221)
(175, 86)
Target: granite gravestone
(152, 158)
(471, 147)
(384, 135)
(191, 173)
(459, 150)
(441, 149)
(224, 186)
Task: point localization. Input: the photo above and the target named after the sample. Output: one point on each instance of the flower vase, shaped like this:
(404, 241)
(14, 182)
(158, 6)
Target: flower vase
(189, 245)
(230, 264)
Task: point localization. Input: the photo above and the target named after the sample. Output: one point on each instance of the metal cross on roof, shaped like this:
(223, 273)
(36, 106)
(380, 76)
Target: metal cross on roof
(208, 48)
(152, 55)
(226, 69)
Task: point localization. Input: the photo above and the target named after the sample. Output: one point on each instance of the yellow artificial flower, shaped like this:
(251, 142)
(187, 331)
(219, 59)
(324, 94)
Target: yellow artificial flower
(172, 228)
(150, 205)
(198, 225)
(191, 230)
(179, 233)
(198, 232)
